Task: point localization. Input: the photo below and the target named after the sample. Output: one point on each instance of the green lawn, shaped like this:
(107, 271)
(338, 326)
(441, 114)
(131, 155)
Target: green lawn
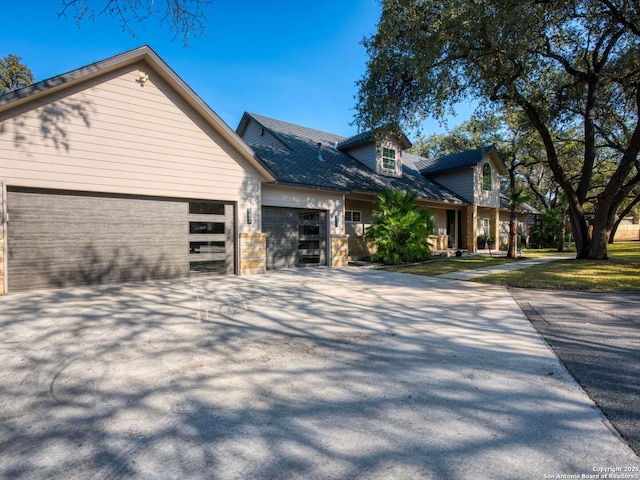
(442, 266)
(620, 272)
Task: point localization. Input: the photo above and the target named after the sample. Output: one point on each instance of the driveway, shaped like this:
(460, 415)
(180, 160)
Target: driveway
(597, 337)
(313, 373)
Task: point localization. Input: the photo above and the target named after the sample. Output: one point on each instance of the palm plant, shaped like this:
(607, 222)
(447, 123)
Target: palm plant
(400, 230)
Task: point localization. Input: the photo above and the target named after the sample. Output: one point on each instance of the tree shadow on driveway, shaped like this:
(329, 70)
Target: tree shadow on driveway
(313, 373)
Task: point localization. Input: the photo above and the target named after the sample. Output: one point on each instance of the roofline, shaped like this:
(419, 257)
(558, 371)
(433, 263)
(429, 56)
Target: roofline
(303, 186)
(146, 54)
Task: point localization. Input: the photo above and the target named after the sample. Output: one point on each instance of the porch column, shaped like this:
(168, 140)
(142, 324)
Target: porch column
(495, 228)
(472, 228)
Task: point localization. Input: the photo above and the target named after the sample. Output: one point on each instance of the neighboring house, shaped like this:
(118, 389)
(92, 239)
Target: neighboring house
(119, 171)
(342, 176)
(628, 230)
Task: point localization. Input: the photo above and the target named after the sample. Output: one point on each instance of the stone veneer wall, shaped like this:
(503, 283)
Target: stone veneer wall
(339, 250)
(253, 253)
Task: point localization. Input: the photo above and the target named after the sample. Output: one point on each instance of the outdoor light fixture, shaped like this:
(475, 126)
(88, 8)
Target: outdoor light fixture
(144, 78)
(336, 221)
(249, 216)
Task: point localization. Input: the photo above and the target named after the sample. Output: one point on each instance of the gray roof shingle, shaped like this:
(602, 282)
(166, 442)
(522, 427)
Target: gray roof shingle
(468, 158)
(299, 164)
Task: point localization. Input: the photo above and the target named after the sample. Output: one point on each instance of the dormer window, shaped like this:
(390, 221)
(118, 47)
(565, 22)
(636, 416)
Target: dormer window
(486, 176)
(388, 158)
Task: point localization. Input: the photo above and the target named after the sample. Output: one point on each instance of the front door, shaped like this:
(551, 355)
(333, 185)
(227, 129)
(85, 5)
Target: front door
(451, 229)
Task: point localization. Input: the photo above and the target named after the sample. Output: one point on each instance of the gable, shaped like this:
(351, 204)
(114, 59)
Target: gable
(131, 109)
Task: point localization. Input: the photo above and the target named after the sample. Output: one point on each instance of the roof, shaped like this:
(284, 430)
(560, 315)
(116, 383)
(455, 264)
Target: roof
(297, 163)
(141, 54)
(467, 158)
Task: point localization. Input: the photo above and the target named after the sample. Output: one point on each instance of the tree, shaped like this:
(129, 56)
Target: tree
(567, 65)
(13, 74)
(516, 199)
(184, 18)
(400, 230)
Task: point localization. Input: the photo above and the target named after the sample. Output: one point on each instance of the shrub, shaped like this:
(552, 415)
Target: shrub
(400, 230)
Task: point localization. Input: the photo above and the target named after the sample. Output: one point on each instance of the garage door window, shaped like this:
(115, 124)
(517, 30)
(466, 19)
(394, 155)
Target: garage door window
(208, 245)
(206, 228)
(206, 208)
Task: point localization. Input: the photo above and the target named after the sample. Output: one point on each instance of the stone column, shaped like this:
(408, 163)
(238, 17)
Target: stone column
(339, 250)
(495, 229)
(253, 253)
(472, 228)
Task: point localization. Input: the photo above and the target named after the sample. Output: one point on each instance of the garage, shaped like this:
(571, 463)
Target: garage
(295, 237)
(61, 238)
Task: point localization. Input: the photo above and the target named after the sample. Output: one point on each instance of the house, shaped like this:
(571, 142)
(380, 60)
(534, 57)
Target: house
(118, 171)
(341, 177)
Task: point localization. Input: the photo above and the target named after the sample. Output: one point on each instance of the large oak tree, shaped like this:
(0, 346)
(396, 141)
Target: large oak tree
(183, 18)
(566, 64)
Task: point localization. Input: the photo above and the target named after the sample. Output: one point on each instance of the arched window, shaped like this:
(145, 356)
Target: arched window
(486, 176)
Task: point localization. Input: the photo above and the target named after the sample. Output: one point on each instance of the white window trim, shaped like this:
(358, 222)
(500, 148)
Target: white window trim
(395, 158)
(352, 212)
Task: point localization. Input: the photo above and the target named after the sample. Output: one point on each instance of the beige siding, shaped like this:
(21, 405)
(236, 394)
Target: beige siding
(112, 134)
(333, 202)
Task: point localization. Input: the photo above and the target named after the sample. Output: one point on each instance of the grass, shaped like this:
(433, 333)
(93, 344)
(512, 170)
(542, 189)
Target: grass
(442, 266)
(620, 272)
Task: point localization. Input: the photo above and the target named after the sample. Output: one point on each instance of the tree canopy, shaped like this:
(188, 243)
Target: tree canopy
(184, 18)
(568, 65)
(13, 74)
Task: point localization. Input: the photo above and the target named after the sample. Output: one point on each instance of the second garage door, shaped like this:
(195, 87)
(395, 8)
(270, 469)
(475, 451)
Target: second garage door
(58, 239)
(295, 237)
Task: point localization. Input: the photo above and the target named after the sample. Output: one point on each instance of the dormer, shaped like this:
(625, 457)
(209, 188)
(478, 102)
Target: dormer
(383, 156)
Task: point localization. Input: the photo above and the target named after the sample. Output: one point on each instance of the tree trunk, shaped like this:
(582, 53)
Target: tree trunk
(580, 230)
(562, 246)
(512, 251)
(599, 238)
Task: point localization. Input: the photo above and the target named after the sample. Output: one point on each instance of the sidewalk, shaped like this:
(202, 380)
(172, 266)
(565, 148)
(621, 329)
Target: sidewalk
(507, 267)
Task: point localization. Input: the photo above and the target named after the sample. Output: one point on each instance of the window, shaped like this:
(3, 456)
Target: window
(352, 216)
(486, 176)
(309, 229)
(486, 228)
(207, 228)
(388, 158)
(206, 208)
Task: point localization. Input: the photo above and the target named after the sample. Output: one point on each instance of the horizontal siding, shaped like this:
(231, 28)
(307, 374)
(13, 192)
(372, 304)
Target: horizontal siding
(460, 182)
(366, 155)
(115, 136)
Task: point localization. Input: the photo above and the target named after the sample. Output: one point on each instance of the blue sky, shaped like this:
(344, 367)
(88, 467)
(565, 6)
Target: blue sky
(296, 61)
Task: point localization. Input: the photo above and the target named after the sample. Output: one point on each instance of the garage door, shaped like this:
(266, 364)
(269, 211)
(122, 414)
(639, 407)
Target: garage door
(295, 237)
(59, 239)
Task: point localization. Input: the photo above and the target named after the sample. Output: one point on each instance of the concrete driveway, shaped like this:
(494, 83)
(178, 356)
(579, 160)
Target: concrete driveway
(314, 373)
